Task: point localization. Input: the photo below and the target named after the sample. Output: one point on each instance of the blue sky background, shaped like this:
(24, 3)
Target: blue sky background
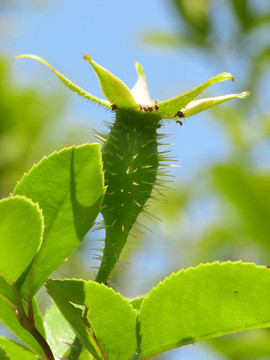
(111, 32)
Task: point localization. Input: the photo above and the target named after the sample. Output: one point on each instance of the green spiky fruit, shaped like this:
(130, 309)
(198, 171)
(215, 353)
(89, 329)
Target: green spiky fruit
(130, 162)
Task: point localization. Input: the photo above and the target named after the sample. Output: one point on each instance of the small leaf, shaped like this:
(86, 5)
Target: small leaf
(58, 334)
(69, 188)
(204, 302)
(14, 351)
(21, 227)
(197, 106)
(113, 88)
(111, 318)
(76, 89)
(169, 108)
(8, 318)
(137, 302)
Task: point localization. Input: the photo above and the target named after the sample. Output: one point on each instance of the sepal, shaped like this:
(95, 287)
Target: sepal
(113, 88)
(169, 108)
(197, 106)
(76, 89)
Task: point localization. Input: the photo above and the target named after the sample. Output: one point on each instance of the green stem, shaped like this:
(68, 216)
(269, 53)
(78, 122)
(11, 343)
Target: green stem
(76, 349)
(27, 322)
(30, 327)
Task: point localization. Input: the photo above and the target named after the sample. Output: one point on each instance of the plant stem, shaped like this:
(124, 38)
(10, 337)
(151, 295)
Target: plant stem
(28, 322)
(30, 327)
(76, 349)
(43, 343)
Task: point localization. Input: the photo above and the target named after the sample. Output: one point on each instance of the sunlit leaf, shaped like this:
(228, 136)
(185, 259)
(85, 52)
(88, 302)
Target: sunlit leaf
(69, 188)
(14, 351)
(21, 227)
(111, 319)
(204, 302)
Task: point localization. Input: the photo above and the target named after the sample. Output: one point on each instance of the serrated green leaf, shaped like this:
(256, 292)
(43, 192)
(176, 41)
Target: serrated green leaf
(21, 227)
(58, 333)
(169, 108)
(14, 351)
(204, 302)
(69, 188)
(110, 316)
(113, 88)
(76, 89)
(8, 318)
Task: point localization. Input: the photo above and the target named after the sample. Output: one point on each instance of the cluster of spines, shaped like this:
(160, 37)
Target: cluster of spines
(130, 162)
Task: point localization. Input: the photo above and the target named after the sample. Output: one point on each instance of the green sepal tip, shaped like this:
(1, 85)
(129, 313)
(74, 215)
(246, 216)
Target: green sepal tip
(197, 106)
(76, 89)
(169, 108)
(113, 88)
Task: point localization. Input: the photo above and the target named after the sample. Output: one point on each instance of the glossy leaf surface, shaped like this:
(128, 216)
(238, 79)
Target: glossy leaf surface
(69, 188)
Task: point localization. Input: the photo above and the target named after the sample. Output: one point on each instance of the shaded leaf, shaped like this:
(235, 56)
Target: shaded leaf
(203, 302)
(242, 12)
(247, 192)
(111, 320)
(69, 188)
(6, 291)
(250, 345)
(195, 13)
